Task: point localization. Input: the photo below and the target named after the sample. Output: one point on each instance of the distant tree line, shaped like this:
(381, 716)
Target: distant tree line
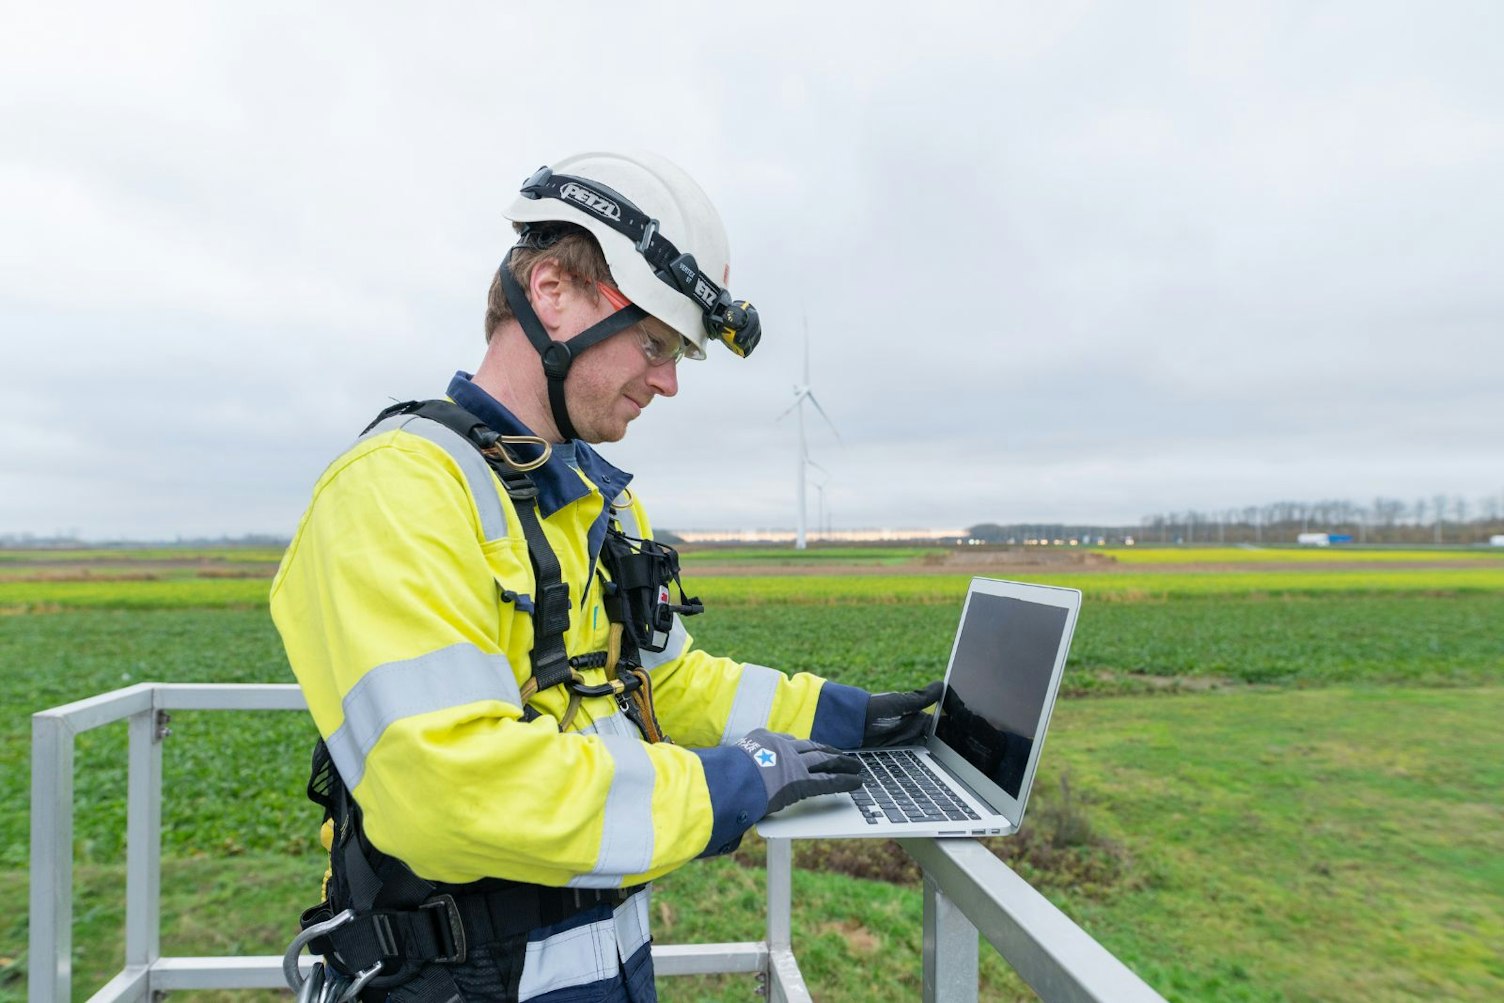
(1439, 519)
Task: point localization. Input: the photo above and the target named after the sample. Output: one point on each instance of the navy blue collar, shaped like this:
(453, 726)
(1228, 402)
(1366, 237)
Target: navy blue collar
(558, 483)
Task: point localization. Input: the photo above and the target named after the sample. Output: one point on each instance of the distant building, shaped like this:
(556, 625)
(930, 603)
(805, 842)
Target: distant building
(1314, 539)
(1496, 541)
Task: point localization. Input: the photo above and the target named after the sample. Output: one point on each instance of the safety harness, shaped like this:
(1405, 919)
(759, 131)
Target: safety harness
(381, 924)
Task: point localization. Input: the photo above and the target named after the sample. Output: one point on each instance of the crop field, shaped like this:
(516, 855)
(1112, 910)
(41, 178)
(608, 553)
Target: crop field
(188, 591)
(1264, 783)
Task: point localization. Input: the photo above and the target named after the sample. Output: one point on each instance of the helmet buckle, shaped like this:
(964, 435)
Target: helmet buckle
(556, 360)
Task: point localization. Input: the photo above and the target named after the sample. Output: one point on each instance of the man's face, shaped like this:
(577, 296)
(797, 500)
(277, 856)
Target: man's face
(609, 384)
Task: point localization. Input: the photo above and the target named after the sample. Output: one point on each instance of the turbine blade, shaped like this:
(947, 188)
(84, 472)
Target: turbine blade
(832, 424)
(799, 394)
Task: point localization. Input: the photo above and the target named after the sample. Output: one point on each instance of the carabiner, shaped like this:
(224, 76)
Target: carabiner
(313, 988)
(295, 981)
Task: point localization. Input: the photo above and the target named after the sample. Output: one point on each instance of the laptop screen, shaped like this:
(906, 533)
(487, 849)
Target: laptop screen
(999, 684)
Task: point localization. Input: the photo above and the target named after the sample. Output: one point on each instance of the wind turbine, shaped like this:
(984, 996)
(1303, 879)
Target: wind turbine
(822, 523)
(802, 393)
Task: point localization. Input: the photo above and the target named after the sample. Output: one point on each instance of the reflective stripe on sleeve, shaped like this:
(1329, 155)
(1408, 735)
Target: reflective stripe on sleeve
(678, 638)
(627, 819)
(585, 954)
(450, 677)
(483, 488)
(753, 705)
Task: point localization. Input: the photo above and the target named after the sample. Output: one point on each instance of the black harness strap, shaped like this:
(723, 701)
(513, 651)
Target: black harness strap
(551, 605)
(443, 928)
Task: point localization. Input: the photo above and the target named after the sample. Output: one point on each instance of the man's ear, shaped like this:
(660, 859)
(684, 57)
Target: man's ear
(555, 293)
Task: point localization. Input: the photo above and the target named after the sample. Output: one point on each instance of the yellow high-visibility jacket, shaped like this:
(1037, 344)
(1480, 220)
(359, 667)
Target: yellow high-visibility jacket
(405, 605)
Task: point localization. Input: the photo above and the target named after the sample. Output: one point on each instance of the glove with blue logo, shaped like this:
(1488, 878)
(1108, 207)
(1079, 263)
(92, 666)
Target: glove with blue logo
(899, 718)
(793, 769)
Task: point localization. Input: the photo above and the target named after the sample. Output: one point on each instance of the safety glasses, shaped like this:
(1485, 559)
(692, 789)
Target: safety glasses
(658, 353)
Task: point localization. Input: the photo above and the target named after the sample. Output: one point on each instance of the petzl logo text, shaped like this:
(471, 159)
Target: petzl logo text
(590, 200)
(704, 292)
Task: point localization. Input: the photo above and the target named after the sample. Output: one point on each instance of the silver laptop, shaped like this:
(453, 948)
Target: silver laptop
(972, 775)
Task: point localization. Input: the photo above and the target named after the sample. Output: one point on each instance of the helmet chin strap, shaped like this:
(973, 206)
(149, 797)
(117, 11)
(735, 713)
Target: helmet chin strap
(558, 356)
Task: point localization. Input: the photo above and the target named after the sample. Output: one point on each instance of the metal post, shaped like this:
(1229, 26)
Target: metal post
(50, 951)
(785, 982)
(1059, 960)
(951, 956)
(143, 843)
(780, 891)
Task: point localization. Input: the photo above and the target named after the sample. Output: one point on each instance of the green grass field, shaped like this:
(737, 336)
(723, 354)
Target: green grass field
(1292, 777)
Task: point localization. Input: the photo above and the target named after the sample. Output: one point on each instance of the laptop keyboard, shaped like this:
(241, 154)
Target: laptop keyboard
(897, 786)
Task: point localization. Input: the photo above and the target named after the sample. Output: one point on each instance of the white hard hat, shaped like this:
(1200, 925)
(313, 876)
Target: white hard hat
(616, 194)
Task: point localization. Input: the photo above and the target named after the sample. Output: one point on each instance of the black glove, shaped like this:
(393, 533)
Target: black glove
(898, 718)
(793, 769)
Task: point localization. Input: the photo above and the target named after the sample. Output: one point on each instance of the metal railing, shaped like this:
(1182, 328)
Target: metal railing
(966, 888)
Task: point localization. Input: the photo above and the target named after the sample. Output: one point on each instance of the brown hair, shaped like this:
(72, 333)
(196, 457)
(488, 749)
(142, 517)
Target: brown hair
(573, 247)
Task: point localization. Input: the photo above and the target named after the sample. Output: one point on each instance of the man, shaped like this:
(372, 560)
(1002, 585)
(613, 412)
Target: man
(482, 626)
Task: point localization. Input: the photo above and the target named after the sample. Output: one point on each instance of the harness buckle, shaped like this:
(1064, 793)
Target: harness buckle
(520, 487)
(550, 668)
(453, 923)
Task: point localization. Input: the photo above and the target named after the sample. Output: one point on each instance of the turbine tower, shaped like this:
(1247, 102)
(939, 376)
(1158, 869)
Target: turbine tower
(802, 393)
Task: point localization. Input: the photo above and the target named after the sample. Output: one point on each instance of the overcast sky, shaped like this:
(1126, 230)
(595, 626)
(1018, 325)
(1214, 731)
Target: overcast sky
(1072, 261)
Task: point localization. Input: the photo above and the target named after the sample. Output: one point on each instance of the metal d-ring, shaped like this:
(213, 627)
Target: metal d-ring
(290, 956)
(352, 991)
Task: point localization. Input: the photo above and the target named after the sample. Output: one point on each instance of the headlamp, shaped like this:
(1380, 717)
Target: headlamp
(734, 323)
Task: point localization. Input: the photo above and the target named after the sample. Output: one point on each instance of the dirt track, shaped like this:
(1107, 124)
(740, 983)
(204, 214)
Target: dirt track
(941, 562)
